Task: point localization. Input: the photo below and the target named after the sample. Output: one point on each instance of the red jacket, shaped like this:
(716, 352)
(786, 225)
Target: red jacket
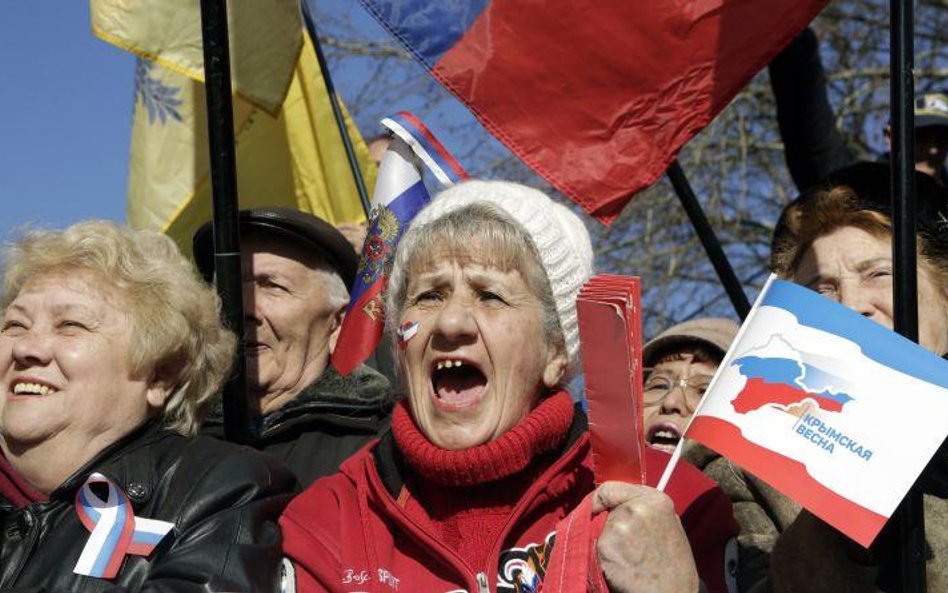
(349, 533)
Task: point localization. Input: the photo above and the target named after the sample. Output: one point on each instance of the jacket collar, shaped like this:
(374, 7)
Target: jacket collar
(363, 394)
(124, 475)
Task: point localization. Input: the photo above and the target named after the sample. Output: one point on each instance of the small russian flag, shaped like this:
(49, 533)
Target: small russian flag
(399, 194)
(406, 332)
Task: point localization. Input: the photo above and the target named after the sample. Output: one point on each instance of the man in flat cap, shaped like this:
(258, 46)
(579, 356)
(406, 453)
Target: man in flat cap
(297, 272)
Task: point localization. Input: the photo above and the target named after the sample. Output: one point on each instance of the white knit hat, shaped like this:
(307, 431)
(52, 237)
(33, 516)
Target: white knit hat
(559, 235)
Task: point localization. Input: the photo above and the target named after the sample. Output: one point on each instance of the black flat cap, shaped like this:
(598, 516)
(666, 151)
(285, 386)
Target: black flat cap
(288, 225)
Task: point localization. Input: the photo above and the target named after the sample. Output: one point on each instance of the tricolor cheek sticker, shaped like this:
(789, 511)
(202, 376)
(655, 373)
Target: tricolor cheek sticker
(405, 332)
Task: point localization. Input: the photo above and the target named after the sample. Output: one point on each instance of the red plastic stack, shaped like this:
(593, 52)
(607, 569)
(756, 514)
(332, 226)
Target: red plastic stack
(610, 333)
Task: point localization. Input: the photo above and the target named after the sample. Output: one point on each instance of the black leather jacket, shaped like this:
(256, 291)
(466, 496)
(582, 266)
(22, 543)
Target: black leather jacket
(224, 501)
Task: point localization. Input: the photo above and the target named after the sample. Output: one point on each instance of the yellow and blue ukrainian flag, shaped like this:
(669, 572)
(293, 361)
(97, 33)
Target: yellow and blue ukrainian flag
(291, 157)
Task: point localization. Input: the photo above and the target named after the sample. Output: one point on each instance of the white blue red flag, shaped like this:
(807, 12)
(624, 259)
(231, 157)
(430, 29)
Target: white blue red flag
(832, 409)
(114, 530)
(597, 97)
(399, 194)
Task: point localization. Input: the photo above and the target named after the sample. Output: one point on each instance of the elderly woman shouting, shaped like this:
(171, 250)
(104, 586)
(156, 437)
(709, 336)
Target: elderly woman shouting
(487, 453)
(111, 349)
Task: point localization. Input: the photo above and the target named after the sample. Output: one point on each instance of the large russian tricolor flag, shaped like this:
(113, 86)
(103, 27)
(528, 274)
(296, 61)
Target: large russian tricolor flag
(597, 97)
(832, 409)
(399, 194)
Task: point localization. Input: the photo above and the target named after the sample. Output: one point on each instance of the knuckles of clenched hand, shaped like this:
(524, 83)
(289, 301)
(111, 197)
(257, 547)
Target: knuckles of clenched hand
(643, 547)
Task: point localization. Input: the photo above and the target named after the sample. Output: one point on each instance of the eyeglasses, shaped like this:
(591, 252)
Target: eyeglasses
(659, 384)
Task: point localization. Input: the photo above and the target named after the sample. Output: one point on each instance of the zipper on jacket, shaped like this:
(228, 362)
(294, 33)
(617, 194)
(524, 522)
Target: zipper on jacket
(450, 555)
(529, 497)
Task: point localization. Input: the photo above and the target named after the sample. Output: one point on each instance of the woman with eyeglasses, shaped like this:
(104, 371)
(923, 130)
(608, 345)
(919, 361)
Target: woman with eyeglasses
(679, 365)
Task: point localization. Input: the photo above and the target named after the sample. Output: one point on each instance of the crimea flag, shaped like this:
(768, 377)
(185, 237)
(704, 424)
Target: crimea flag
(824, 405)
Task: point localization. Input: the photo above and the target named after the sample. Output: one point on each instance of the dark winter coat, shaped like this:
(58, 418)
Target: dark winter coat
(762, 513)
(224, 502)
(813, 145)
(326, 423)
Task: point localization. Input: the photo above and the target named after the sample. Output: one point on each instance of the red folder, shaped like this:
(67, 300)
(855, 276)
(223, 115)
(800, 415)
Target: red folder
(610, 333)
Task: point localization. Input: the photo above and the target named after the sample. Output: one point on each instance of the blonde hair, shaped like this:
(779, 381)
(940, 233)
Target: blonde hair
(176, 330)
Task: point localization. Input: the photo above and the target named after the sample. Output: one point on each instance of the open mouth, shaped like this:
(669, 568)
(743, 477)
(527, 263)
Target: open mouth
(663, 436)
(457, 383)
(28, 388)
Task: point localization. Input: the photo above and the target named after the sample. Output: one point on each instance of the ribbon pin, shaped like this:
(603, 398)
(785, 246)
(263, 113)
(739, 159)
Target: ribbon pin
(115, 531)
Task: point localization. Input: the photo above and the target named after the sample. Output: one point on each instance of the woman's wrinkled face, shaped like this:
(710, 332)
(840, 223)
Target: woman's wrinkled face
(479, 359)
(64, 366)
(854, 268)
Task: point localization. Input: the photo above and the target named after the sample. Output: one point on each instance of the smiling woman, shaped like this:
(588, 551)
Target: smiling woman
(487, 453)
(110, 352)
(68, 342)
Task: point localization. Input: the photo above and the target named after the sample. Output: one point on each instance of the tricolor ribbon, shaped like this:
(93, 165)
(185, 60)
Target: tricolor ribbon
(115, 531)
(423, 143)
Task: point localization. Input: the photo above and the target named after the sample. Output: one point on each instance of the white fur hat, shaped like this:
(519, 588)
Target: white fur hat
(559, 235)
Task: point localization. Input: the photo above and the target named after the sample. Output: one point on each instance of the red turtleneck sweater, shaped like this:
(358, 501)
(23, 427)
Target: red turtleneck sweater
(15, 488)
(465, 497)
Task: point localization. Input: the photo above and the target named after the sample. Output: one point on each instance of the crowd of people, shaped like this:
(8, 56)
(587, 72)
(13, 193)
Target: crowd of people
(469, 468)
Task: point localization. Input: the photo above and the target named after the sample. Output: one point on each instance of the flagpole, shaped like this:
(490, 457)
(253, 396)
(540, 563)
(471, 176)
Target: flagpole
(708, 239)
(336, 110)
(220, 132)
(911, 519)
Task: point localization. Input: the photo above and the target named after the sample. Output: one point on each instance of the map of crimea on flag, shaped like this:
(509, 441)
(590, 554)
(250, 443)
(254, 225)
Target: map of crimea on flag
(787, 384)
(813, 398)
